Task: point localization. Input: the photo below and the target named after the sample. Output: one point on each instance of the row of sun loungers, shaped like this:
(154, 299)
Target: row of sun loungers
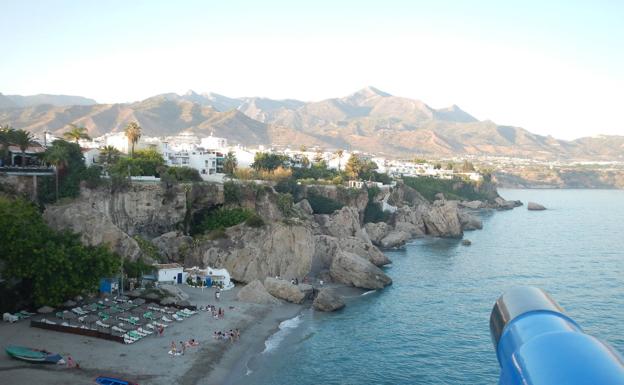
(8, 317)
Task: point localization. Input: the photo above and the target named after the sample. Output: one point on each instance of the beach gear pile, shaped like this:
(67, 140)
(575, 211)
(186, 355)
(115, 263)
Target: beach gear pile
(120, 316)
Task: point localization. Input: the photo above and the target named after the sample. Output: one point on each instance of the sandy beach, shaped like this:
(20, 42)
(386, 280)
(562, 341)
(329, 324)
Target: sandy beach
(147, 361)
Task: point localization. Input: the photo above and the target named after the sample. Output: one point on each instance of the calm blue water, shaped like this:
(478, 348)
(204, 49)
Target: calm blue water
(431, 326)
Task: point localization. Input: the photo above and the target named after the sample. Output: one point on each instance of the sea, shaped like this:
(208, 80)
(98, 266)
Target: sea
(431, 326)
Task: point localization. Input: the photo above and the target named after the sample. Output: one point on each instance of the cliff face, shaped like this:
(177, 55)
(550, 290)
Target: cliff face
(331, 247)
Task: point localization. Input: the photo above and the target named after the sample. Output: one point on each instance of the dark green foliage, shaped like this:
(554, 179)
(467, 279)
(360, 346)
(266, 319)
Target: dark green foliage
(288, 186)
(458, 189)
(254, 220)
(285, 204)
(181, 174)
(321, 204)
(269, 162)
(316, 171)
(373, 192)
(136, 269)
(93, 176)
(222, 218)
(71, 170)
(374, 213)
(149, 249)
(53, 266)
(144, 163)
(232, 193)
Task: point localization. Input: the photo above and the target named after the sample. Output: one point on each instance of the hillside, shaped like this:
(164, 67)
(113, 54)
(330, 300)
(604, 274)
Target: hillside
(368, 120)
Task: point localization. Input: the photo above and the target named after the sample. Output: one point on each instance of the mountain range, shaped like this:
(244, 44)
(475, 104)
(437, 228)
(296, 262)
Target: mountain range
(368, 120)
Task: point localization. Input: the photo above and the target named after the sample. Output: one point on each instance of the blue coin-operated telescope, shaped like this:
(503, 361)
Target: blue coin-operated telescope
(537, 344)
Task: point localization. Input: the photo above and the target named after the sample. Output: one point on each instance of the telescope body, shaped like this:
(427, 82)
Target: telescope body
(537, 344)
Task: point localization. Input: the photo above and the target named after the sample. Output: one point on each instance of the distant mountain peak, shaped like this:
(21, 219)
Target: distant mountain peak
(370, 91)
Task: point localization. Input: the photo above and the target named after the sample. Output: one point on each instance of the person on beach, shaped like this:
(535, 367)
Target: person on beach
(71, 363)
(237, 332)
(183, 347)
(161, 331)
(174, 348)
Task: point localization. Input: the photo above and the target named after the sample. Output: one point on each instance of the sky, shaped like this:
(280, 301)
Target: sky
(552, 67)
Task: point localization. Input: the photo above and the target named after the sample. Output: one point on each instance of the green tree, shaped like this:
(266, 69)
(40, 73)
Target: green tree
(70, 172)
(52, 266)
(269, 161)
(354, 166)
(76, 133)
(133, 133)
(339, 154)
(109, 155)
(305, 162)
(6, 138)
(57, 156)
(230, 163)
(23, 139)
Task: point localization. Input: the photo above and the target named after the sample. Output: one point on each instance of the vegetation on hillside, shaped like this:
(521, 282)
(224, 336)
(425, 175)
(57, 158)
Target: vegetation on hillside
(456, 188)
(45, 266)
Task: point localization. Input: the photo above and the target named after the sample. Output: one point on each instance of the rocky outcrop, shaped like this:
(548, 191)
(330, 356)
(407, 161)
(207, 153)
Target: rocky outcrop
(304, 207)
(328, 300)
(469, 221)
(283, 289)
(394, 239)
(149, 210)
(535, 206)
(248, 253)
(364, 249)
(173, 245)
(343, 223)
(355, 198)
(442, 220)
(473, 205)
(354, 270)
(410, 220)
(254, 292)
(502, 204)
(377, 231)
(94, 228)
(403, 195)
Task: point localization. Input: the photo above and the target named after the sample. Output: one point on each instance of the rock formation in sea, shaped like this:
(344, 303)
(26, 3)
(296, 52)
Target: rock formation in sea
(535, 206)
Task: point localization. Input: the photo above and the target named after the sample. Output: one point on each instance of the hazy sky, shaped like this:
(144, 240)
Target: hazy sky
(552, 67)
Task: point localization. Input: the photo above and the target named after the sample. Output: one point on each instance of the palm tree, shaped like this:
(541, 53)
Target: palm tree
(76, 133)
(133, 133)
(6, 138)
(58, 157)
(23, 139)
(109, 154)
(339, 154)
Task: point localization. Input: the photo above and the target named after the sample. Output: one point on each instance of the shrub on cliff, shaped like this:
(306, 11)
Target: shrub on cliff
(181, 174)
(254, 220)
(222, 218)
(456, 188)
(232, 193)
(321, 204)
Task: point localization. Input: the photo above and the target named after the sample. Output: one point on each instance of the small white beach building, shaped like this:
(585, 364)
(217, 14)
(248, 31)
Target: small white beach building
(169, 273)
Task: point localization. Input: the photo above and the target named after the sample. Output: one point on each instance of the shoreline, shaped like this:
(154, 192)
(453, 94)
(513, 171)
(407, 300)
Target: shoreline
(147, 361)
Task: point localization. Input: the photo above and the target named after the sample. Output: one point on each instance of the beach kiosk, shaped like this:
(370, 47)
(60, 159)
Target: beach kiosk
(169, 273)
(211, 277)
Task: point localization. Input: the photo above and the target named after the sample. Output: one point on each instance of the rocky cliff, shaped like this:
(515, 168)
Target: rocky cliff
(292, 244)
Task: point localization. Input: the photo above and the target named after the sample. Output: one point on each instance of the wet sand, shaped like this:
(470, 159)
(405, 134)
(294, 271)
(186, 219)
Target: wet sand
(147, 361)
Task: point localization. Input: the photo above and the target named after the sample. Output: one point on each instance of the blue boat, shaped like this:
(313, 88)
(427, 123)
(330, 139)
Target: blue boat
(112, 381)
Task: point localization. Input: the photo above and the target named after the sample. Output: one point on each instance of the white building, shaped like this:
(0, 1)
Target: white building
(169, 273)
(91, 156)
(206, 162)
(213, 143)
